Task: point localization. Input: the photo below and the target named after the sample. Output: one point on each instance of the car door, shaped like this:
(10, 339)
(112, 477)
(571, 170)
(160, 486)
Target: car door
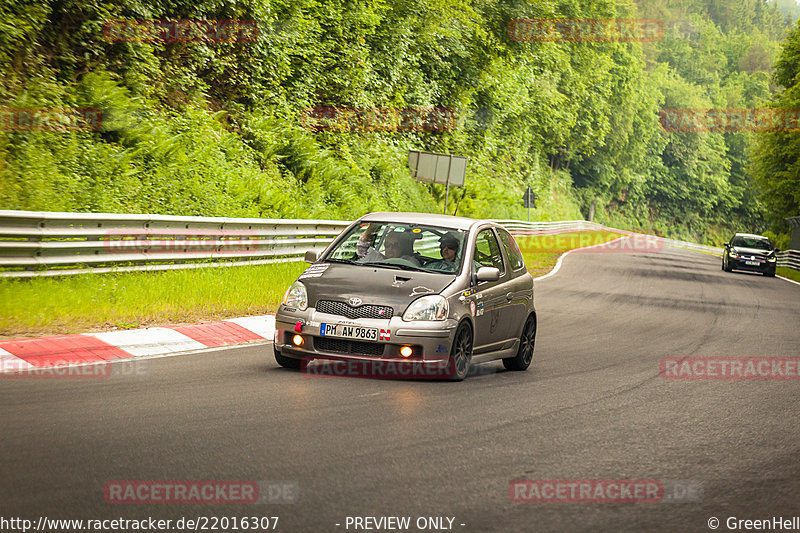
(519, 288)
(489, 297)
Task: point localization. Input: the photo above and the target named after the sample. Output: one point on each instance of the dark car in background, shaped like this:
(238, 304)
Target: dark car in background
(753, 253)
(433, 291)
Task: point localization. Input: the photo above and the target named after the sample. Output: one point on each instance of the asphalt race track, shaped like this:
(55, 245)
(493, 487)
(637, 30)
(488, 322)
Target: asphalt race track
(593, 406)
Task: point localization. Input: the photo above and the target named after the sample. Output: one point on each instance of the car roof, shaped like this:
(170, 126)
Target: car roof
(752, 235)
(432, 219)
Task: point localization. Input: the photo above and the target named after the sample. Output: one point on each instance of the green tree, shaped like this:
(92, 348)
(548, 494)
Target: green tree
(777, 155)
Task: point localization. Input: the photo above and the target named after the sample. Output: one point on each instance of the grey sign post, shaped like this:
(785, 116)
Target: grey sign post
(529, 200)
(445, 169)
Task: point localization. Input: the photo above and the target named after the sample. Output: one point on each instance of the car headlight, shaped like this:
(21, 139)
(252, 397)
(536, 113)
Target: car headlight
(772, 259)
(296, 296)
(733, 254)
(433, 307)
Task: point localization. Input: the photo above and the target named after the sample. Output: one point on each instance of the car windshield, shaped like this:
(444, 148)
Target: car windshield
(401, 246)
(758, 243)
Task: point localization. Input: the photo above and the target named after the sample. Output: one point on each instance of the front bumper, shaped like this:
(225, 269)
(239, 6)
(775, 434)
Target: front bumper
(762, 266)
(430, 341)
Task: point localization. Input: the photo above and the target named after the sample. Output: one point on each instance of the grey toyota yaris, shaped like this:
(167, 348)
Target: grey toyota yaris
(424, 295)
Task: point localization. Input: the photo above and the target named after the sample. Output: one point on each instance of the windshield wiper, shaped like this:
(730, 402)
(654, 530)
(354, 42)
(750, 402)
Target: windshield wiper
(394, 266)
(344, 261)
(413, 268)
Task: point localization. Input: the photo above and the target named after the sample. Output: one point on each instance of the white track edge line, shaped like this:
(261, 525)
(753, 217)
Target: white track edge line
(565, 254)
(789, 280)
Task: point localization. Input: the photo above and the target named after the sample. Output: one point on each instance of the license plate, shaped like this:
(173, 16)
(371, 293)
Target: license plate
(348, 332)
(754, 263)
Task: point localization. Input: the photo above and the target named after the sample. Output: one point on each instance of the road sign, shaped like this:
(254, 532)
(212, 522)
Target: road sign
(529, 198)
(438, 168)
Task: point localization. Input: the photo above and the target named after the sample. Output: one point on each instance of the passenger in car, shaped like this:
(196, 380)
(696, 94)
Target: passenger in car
(448, 247)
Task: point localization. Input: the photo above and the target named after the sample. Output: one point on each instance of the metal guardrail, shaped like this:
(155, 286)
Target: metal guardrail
(789, 258)
(36, 243)
(47, 244)
(692, 246)
(521, 227)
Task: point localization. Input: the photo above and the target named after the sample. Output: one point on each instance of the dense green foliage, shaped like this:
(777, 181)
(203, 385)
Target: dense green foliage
(217, 129)
(777, 155)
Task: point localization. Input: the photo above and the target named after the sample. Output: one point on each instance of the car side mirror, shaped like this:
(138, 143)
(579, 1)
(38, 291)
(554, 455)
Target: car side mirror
(488, 274)
(311, 256)
(727, 245)
(776, 250)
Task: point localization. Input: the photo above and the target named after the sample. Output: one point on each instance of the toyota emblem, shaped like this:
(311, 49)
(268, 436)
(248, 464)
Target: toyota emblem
(355, 302)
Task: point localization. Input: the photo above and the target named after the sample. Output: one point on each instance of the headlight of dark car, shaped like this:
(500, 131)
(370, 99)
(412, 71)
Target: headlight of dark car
(432, 307)
(296, 296)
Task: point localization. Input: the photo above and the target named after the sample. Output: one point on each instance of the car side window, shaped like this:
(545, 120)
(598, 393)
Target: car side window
(512, 250)
(487, 251)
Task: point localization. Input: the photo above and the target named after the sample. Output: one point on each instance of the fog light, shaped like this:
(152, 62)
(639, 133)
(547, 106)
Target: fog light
(297, 340)
(406, 351)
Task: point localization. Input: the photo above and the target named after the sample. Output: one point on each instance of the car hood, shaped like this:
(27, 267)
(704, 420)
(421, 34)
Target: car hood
(750, 251)
(374, 285)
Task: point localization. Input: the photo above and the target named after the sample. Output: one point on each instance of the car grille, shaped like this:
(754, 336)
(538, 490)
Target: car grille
(325, 344)
(363, 311)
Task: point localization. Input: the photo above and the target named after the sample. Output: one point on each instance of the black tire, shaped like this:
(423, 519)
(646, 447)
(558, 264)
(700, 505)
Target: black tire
(769, 274)
(527, 342)
(286, 362)
(725, 266)
(460, 353)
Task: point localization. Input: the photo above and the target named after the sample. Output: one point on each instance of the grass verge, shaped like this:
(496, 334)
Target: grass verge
(92, 302)
(787, 272)
(541, 252)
